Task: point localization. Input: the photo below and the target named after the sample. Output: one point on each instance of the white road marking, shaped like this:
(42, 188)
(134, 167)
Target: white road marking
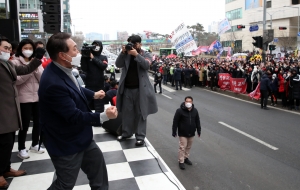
(185, 89)
(167, 96)
(250, 102)
(168, 88)
(249, 136)
(163, 86)
(169, 173)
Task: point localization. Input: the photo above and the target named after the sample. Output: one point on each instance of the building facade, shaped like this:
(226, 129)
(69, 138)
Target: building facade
(280, 13)
(67, 17)
(122, 36)
(90, 37)
(31, 19)
(106, 37)
(213, 27)
(2, 3)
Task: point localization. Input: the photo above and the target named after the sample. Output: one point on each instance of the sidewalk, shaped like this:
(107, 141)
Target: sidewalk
(245, 97)
(129, 167)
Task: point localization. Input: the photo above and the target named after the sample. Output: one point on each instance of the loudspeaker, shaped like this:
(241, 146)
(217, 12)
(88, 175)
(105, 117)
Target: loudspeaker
(113, 126)
(52, 15)
(9, 29)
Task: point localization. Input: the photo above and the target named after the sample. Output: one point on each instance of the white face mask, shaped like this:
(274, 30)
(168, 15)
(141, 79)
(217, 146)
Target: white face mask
(97, 48)
(4, 56)
(27, 53)
(188, 105)
(75, 60)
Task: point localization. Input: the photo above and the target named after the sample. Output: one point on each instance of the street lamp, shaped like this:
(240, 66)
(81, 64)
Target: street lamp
(271, 20)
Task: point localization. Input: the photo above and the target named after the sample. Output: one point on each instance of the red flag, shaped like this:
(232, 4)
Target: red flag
(256, 93)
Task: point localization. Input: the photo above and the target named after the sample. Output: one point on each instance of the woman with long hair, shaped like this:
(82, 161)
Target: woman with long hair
(28, 86)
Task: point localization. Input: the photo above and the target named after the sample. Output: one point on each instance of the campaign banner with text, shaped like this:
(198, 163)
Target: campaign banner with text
(223, 26)
(183, 40)
(224, 81)
(238, 85)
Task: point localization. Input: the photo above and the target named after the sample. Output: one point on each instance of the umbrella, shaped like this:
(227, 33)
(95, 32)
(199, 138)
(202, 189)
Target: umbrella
(171, 56)
(239, 54)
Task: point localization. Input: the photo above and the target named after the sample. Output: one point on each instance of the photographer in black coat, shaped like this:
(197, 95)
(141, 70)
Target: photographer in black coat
(94, 67)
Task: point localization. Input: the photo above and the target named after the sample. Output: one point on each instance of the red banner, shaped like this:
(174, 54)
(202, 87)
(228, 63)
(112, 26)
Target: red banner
(224, 81)
(238, 85)
(256, 93)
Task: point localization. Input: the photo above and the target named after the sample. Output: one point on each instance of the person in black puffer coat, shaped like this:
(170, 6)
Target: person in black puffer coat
(94, 67)
(294, 89)
(265, 87)
(177, 77)
(186, 121)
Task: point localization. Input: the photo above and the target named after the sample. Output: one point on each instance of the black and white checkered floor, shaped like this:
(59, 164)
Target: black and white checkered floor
(129, 167)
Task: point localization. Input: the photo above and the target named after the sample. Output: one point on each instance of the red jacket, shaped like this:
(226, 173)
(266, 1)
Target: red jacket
(281, 83)
(161, 70)
(45, 62)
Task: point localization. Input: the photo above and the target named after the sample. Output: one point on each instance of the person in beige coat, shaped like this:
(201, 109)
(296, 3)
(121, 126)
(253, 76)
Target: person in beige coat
(201, 74)
(10, 116)
(28, 86)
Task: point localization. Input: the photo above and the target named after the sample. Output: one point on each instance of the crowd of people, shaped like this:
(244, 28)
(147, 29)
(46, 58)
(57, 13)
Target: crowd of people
(282, 73)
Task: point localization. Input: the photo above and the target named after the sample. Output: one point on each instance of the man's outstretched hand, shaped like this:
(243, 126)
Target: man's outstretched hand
(111, 112)
(99, 95)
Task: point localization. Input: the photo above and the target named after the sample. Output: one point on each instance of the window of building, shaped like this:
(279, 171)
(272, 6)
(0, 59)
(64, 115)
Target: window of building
(229, 1)
(269, 4)
(23, 4)
(32, 4)
(24, 25)
(236, 45)
(2, 5)
(234, 14)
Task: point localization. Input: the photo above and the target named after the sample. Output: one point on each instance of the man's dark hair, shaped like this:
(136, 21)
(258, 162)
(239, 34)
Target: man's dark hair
(23, 43)
(188, 97)
(57, 43)
(134, 39)
(3, 38)
(113, 83)
(38, 42)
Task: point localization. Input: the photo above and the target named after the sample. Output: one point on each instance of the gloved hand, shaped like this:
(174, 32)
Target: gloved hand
(174, 135)
(39, 53)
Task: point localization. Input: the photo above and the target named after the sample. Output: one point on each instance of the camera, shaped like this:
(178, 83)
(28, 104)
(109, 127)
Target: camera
(129, 46)
(86, 50)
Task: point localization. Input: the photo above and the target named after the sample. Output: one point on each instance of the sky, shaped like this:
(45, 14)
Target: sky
(136, 16)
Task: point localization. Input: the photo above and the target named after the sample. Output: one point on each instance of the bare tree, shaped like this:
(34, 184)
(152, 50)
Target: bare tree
(78, 38)
(287, 42)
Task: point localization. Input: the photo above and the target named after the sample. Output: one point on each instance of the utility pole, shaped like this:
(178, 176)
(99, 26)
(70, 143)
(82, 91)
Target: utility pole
(264, 29)
(6, 9)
